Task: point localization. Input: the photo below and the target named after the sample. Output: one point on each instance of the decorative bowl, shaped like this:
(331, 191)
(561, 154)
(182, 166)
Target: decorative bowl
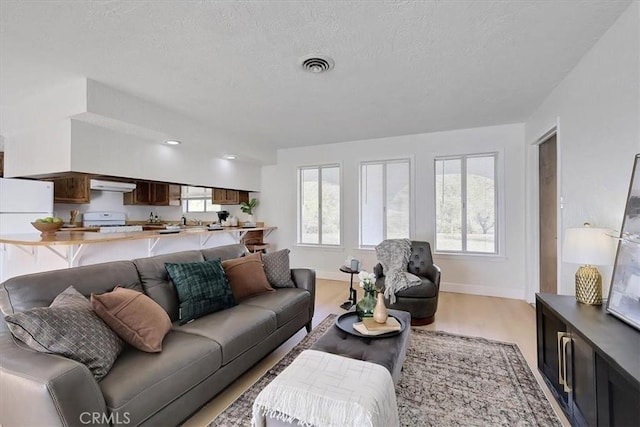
(47, 228)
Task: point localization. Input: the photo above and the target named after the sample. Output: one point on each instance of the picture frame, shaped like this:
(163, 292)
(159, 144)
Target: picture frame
(624, 292)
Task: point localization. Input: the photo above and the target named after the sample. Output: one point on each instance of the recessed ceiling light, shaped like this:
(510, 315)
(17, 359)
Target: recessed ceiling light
(230, 156)
(172, 142)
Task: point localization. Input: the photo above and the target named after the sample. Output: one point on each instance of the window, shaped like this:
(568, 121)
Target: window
(197, 199)
(319, 205)
(385, 202)
(466, 200)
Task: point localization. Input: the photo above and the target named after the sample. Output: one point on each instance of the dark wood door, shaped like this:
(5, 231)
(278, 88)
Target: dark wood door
(549, 351)
(582, 380)
(548, 202)
(618, 400)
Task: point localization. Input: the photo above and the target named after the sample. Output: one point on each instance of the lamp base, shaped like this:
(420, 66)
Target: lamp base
(589, 285)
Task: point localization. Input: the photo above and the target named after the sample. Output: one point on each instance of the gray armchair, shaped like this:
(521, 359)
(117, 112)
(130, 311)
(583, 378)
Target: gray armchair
(422, 300)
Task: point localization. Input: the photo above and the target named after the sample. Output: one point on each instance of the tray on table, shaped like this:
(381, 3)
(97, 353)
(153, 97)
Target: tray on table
(345, 322)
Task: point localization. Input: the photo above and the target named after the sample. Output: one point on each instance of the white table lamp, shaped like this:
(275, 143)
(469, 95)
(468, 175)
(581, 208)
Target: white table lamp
(588, 246)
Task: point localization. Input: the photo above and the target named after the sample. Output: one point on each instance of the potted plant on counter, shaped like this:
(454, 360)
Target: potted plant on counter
(249, 207)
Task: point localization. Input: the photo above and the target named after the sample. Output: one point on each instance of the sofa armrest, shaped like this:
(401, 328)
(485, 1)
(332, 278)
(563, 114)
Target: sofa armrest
(46, 389)
(433, 273)
(305, 278)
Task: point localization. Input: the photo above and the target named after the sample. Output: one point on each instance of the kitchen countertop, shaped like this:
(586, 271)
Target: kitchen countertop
(79, 236)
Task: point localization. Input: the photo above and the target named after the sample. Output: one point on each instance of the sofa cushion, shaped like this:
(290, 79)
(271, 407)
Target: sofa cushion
(156, 282)
(236, 329)
(285, 303)
(70, 328)
(40, 289)
(135, 317)
(246, 276)
(143, 383)
(225, 252)
(276, 267)
(202, 288)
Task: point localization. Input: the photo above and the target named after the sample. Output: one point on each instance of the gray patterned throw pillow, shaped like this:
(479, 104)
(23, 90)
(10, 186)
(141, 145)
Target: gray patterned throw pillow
(202, 288)
(276, 267)
(69, 327)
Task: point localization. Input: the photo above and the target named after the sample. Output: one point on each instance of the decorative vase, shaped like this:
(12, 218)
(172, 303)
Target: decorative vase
(380, 311)
(364, 307)
(250, 218)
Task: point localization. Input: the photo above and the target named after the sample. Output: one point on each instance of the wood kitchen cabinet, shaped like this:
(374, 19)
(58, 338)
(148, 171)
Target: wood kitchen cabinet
(1, 163)
(589, 360)
(150, 193)
(75, 188)
(175, 192)
(223, 196)
(140, 196)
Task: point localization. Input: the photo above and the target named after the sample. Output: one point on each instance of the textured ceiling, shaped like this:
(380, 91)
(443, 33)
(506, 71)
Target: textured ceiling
(401, 67)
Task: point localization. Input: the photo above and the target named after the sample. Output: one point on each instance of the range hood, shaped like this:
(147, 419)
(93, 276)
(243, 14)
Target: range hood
(121, 187)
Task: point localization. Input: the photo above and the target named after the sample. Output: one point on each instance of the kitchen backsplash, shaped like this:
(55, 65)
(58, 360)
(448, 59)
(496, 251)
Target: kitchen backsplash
(113, 202)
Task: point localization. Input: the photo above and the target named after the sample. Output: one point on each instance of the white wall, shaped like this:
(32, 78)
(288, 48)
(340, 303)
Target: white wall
(99, 150)
(44, 149)
(97, 129)
(597, 109)
(499, 276)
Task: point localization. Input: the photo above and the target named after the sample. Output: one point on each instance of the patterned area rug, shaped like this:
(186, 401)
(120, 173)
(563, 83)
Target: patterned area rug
(447, 380)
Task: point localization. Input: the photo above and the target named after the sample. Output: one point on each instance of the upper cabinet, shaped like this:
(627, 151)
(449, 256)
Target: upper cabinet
(223, 196)
(149, 193)
(174, 195)
(75, 188)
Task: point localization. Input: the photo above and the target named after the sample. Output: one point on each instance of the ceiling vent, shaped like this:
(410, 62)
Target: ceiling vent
(317, 64)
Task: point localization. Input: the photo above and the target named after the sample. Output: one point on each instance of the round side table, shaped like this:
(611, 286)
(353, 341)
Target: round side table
(352, 292)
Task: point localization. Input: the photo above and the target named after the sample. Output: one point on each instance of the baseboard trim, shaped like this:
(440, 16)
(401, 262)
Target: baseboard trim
(487, 291)
(337, 275)
(458, 288)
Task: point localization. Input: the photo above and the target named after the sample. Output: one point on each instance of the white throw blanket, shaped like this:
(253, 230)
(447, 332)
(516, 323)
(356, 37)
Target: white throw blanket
(323, 389)
(393, 255)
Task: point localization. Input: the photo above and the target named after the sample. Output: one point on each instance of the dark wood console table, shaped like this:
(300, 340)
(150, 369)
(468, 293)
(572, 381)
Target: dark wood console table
(590, 360)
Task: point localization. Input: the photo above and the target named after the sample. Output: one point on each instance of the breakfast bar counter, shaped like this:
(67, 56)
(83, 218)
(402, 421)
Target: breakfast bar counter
(32, 252)
(86, 237)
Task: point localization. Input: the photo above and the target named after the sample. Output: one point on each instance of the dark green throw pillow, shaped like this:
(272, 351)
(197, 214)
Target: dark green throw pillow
(202, 288)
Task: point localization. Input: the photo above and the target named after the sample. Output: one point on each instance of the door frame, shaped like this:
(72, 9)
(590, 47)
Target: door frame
(532, 213)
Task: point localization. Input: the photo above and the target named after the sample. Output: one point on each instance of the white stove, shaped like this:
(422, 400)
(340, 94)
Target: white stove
(119, 228)
(109, 222)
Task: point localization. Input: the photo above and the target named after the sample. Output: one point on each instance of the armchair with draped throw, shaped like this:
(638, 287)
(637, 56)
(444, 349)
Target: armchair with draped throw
(421, 300)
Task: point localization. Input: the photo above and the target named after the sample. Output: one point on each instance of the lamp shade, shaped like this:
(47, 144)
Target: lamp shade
(588, 245)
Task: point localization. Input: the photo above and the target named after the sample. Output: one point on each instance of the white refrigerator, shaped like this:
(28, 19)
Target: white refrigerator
(22, 201)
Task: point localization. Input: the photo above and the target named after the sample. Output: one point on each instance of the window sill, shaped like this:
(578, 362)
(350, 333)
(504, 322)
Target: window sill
(332, 248)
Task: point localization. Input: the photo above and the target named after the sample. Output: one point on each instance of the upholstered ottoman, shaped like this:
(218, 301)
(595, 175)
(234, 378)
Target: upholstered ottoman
(323, 389)
(389, 352)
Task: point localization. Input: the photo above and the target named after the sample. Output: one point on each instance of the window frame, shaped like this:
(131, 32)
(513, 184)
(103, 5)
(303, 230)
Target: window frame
(319, 167)
(498, 190)
(384, 162)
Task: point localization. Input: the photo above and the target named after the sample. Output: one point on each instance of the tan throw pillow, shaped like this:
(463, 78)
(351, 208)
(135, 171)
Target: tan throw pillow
(135, 317)
(246, 276)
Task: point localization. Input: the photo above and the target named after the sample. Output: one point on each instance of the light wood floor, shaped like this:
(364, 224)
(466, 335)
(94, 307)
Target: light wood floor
(493, 318)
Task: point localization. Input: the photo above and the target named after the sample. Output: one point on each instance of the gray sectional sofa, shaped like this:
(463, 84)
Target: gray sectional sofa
(198, 360)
